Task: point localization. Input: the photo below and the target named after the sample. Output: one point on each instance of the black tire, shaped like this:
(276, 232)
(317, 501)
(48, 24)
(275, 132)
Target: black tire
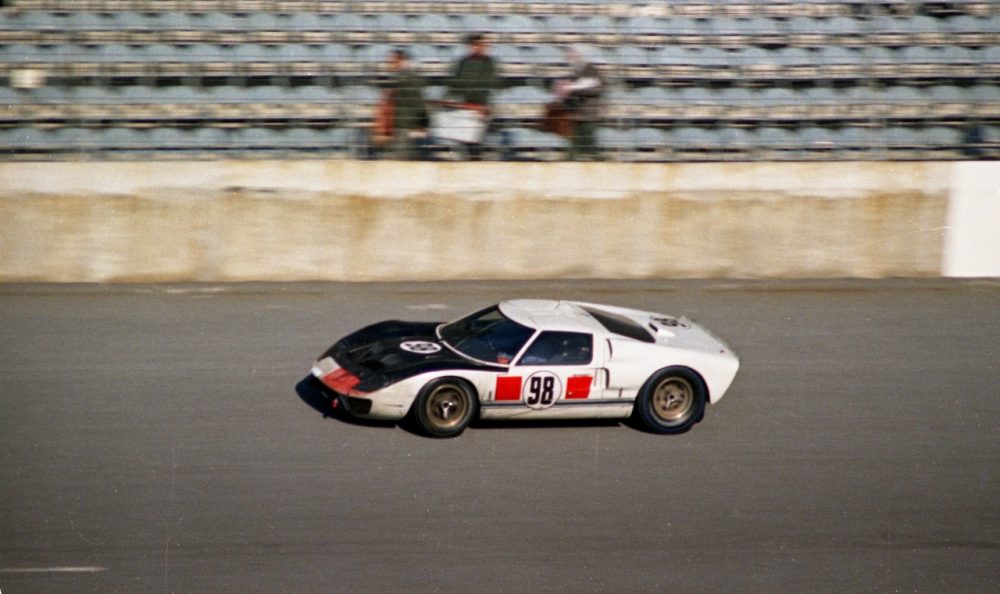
(445, 407)
(671, 401)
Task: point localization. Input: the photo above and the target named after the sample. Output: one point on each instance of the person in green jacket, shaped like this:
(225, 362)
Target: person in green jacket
(404, 107)
(473, 79)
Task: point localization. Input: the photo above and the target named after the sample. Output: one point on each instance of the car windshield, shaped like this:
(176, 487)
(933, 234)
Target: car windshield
(486, 335)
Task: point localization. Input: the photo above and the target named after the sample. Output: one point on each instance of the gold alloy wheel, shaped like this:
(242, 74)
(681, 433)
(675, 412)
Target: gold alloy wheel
(447, 406)
(673, 399)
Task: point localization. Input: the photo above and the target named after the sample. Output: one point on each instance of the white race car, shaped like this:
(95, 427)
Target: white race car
(530, 359)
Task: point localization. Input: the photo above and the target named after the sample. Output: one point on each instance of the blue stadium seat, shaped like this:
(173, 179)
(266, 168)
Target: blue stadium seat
(169, 20)
(359, 101)
(329, 102)
(148, 53)
(600, 29)
(684, 138)
(70, 139)
(947, 94)
(266, 94)
(522, 102)
(780, 103)
(614, 140)
(903, 101)
(528, 143)
(19, 53)
(257, 138)
(835, 62)
(169, 138)
(210, 139)
(512, 60)
(745, 31)
(696, 103)
(518, 29)
(644, 30)
(973, 30)
(30, 20)
(309, 21)
(438, 28)
(20, 138)
(543, 55)
(430, 58)
(634, 62)
(678, 59)
(855, 138)
(393, 28)
(372, 54)
(124, 139)
(636, 56)
(664, 98)
(941, 137)
(805, 32)
(817, 138)
(735, 98)
(566, 28)
(356, 28)
(775, 139)
(924, 61)
(948, 102)
(992, 137)
(309, 139)
(840, 29)
(302, 53)
(90, 21)
(338, 56)
(477, 23)
(986, 93)
(215, 21)
(650, 140)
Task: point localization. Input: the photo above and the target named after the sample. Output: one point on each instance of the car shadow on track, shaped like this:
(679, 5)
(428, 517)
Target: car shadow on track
(546, 424)
(310, 393)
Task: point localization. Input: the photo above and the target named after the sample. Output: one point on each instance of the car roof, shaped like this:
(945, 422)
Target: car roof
(549, 314)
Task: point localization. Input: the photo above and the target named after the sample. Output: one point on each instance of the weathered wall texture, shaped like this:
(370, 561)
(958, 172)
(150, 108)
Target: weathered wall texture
(348, 220)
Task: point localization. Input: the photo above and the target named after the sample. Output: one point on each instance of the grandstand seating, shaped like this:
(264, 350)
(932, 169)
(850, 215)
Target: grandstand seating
(688, 79)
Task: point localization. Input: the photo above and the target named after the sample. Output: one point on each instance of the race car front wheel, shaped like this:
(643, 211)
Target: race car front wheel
(672, 400)
(444, 407)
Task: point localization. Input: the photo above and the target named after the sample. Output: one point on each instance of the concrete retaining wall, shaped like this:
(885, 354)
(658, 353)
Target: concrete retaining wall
(350, 220)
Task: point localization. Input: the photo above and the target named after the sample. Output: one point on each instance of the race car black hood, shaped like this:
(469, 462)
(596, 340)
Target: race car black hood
(387, 352)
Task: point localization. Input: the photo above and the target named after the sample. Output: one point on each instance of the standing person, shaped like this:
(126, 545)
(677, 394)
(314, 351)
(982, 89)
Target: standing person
(401, 123)
(581, 96)
(473, 79)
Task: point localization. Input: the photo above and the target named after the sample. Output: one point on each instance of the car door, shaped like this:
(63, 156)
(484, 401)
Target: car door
(557, 372)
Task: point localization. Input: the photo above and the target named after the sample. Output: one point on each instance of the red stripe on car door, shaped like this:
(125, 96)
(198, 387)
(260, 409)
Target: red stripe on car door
(508, 387)
(578, 387)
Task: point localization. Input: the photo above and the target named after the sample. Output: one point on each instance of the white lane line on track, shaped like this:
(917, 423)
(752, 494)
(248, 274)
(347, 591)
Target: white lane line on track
(9, 570)
(428, 307)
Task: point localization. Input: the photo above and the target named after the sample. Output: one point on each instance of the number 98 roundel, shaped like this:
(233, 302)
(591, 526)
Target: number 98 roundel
(541, 390)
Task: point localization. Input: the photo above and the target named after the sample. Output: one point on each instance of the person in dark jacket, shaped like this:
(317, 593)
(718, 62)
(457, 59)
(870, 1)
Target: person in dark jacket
(581, 96)
(473, 79)
(402, 119)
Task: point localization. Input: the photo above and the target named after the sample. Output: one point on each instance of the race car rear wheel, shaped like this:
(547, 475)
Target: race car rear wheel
(444, 407)
(672, 400)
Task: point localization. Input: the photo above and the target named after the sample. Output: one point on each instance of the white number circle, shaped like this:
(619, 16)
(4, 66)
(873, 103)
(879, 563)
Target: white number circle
(421, 347)
(541, 390)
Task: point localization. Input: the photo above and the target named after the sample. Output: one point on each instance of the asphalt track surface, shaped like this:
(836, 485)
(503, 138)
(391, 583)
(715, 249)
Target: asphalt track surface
(152, 440)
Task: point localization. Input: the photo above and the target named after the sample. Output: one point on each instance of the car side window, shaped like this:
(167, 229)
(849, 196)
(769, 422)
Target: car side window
(560, 348)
